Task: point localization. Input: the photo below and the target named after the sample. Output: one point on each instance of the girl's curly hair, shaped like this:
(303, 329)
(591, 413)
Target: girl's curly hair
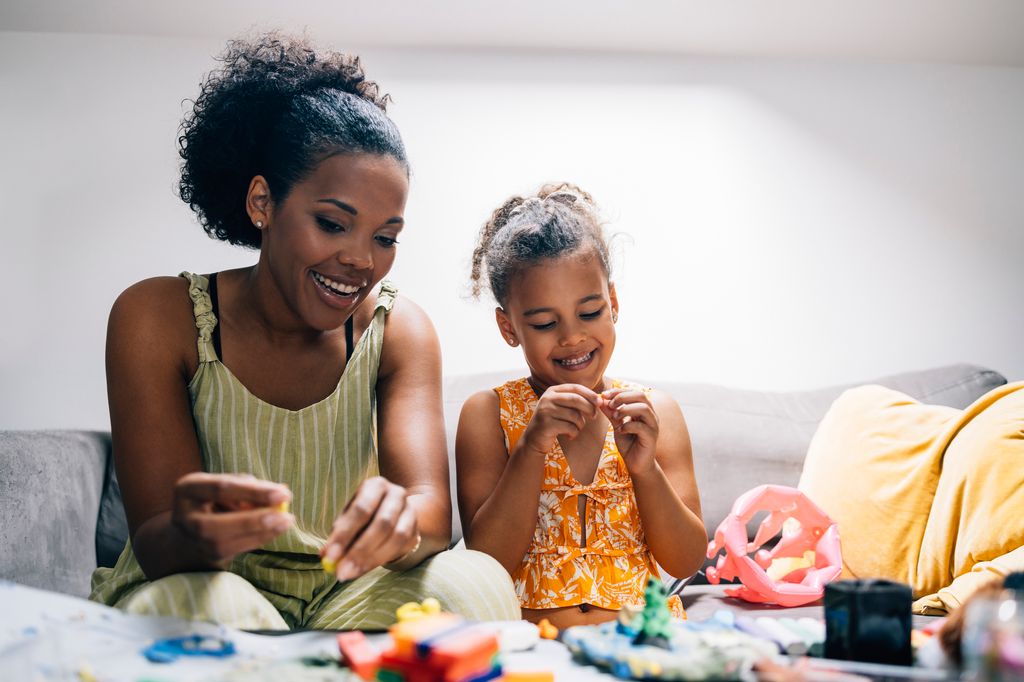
(559, 220)
(276, 107)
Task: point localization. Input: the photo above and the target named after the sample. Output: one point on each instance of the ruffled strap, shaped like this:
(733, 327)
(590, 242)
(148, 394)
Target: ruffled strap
(202, 308)
(386, 297)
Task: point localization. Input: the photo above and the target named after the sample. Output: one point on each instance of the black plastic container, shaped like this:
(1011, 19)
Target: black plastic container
(868, 620)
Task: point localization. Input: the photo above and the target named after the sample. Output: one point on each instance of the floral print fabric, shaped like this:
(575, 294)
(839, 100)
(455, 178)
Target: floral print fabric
(609, 570)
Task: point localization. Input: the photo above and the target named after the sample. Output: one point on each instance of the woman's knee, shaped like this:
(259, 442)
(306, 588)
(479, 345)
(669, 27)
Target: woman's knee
(219, 597)
(472, 584)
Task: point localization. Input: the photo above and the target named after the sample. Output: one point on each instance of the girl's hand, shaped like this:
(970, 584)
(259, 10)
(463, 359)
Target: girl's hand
(636, 427)
(563, 410)
(377, 526)
(227, 514)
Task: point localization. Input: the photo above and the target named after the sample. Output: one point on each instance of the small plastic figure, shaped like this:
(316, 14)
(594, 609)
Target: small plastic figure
(654, 624)
(812, 530)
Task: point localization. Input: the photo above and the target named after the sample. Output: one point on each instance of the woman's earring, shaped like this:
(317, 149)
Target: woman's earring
(615, 316)
(259, 224)
(512, 342)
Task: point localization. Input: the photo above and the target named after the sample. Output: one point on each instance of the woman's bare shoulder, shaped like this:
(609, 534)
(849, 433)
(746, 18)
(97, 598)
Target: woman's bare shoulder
(157, 314)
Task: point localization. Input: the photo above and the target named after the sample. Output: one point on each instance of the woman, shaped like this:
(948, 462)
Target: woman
(294, 381)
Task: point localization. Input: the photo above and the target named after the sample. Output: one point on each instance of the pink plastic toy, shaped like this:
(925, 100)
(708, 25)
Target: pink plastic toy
(816, 531)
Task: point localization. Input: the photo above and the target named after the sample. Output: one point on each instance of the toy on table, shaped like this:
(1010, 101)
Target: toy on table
(169, 650)
(805, 529)
(547, 630)
(440, 648)
(654, 623)
(415, 610)
(361, 656)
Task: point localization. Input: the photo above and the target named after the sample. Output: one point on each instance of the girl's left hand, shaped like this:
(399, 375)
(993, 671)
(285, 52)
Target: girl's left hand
(635, 424)
(377, 526)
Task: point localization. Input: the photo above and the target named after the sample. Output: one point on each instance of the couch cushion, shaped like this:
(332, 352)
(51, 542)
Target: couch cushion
(50, 485)
(744, 438)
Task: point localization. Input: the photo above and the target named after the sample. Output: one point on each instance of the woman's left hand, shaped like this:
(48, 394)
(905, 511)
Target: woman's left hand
(635, 424)
(377, 526)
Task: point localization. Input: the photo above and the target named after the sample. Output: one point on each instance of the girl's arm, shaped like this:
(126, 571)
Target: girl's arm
(403, 516)
(175, 514)
(499, 492)
(665, 485)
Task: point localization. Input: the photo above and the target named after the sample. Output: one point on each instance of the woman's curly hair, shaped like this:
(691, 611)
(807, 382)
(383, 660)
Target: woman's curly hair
(559, 220)
(276, 107)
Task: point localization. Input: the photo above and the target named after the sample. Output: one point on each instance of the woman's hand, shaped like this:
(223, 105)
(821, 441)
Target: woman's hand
(378, 526)
(227, 514)
(636, 427)
(563, 410)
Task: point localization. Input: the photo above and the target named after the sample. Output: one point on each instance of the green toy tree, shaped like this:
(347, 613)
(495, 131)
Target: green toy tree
(654, 624)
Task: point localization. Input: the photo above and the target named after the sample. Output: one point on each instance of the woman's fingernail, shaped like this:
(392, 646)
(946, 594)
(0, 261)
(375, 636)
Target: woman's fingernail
(277, 521)
(346, 570)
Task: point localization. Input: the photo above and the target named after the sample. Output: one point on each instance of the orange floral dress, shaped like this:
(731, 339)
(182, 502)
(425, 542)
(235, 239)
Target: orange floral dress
(611, 570)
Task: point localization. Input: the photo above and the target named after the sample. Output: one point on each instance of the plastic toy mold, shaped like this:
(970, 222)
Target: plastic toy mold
(810, 531)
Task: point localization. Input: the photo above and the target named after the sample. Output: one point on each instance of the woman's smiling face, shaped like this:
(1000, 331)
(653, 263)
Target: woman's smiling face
(561, 311)
(333, 238)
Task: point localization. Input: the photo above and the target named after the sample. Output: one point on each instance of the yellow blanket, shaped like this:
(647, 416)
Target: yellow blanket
(924, 494)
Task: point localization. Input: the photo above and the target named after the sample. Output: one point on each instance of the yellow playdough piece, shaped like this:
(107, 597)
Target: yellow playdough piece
(329, 565)
(283, 507)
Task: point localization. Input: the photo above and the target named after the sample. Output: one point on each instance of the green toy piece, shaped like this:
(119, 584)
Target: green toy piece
(654, 624)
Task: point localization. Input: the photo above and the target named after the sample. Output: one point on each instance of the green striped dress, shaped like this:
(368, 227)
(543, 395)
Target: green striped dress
(322, 452)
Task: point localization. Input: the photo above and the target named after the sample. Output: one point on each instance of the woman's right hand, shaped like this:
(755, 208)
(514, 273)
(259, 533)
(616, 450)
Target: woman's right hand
(562, 410)
(227, 514)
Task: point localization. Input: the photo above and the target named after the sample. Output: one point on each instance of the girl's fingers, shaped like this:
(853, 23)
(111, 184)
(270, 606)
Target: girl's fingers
(636, 412)
(576, 401)
(622, 397)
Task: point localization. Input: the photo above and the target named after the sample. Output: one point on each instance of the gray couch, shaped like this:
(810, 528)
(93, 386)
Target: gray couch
(61, 513)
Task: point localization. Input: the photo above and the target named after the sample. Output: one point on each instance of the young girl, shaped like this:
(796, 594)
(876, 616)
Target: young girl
(575, 482)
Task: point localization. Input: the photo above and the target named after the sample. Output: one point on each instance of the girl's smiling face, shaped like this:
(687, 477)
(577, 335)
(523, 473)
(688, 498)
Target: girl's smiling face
(333, 238)
(561, 311)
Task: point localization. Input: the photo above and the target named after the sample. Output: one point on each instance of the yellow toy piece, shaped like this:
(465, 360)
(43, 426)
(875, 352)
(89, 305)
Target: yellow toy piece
(411, 611)
(283, 507)
(330, 566)
(547, 630)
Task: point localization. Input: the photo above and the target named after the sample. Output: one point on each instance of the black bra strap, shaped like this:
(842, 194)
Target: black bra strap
(216, 314)
(349, 335)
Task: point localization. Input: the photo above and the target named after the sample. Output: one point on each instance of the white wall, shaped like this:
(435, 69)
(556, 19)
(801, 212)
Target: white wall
(792, 224)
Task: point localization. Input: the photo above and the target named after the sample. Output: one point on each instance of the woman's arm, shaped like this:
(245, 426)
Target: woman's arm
(665, 485)
(151, 356)
(409, 505)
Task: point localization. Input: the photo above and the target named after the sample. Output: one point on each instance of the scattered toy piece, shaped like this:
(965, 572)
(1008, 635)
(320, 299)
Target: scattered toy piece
(654, 624)
(359, 654)
(415, 610)
(514, 635)
(533, 676)
(547, 630)
(440, 648)
(169, 650)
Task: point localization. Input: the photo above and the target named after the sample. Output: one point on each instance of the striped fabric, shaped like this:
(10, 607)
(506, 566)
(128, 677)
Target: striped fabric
(322, 452)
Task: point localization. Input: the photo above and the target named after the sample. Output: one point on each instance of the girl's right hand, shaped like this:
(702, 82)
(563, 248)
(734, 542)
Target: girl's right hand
(563, 410)
(227, 514)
